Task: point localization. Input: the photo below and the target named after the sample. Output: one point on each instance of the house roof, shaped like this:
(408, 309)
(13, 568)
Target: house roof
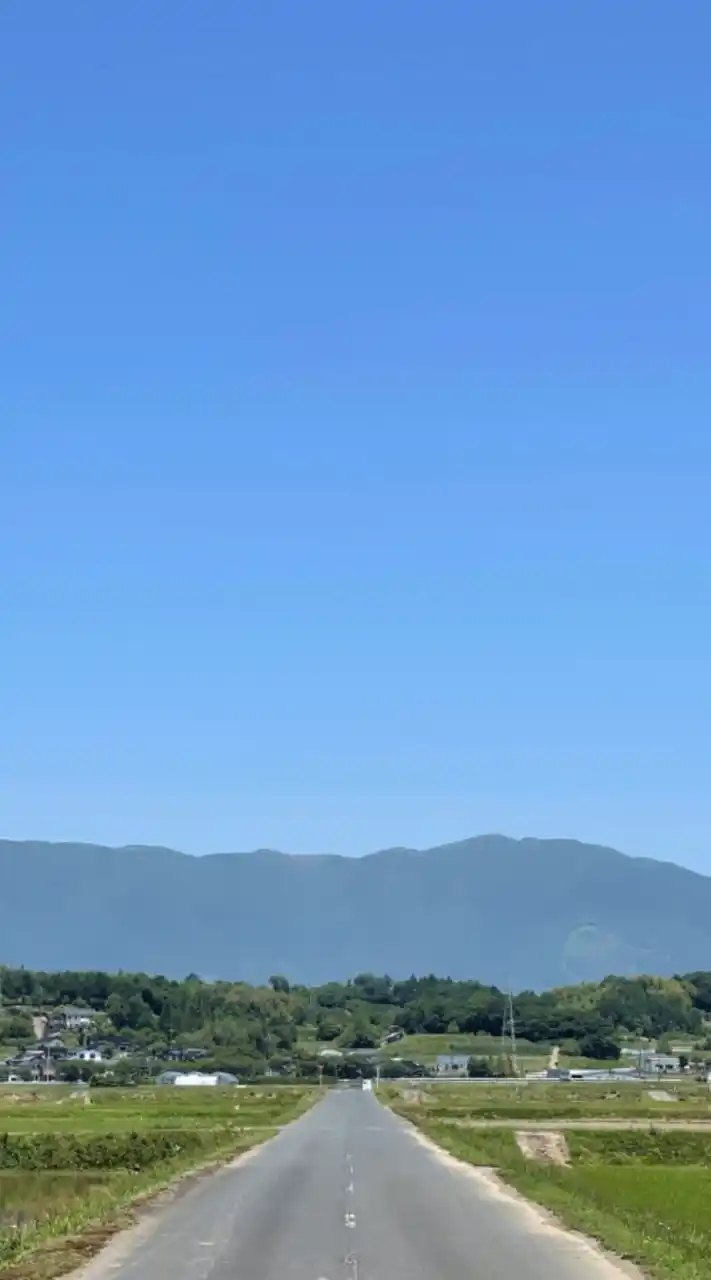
(452, 1059)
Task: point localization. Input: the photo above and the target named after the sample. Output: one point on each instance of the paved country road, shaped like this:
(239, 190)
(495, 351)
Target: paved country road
(348, 1192)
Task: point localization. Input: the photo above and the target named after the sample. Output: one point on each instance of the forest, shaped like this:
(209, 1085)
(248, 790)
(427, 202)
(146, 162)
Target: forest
(281, 1027)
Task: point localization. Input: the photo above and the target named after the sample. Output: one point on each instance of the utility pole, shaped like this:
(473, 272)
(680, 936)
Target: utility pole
(508, 1033)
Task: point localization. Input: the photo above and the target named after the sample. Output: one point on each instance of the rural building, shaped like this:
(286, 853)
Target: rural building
(71, 1018)
(659, 1063)
(43, 1071)
(452, 1064)
(111, 1046)
(185, 1055)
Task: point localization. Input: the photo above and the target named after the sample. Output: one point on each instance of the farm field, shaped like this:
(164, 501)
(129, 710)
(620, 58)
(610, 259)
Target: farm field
(43, 1109)
(71, 1166)
(425, 1049)
(536, 1101)
(642, 1192)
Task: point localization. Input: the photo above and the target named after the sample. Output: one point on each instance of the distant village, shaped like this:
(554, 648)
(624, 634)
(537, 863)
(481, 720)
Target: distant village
(69, 1048)
(67, 1041)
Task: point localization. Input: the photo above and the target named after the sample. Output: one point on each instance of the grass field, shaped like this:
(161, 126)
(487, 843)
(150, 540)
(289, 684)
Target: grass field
(425, 1048)
(30, 1198)
(71, 1170)
(656, 1216)
(540, 1102)
(57, 1109)
(645, 1194)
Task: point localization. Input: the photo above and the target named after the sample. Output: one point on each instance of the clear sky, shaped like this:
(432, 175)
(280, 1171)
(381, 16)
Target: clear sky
(355, 409)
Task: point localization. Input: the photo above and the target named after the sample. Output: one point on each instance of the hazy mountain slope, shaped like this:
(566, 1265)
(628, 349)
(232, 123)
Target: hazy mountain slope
(538, 912)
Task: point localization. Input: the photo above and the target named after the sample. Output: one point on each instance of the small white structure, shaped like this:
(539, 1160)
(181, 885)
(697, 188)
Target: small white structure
(452, 1064)
(188, 1079)
(87, 1055)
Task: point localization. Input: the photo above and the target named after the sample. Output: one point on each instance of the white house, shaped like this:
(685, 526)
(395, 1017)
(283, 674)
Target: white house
(76, 1019)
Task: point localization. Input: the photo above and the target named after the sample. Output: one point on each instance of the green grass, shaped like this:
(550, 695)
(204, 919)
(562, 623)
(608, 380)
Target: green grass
(28, 1199)
(656, 1216)
(492, 1148)
(113, 1110)
(139, 1149)
(105, 1156)
(634, 1146)
(540, 1102)
(424, 1048)
(644, 1195)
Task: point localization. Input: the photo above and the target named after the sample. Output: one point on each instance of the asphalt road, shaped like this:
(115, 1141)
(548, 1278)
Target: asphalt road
(348, 1192)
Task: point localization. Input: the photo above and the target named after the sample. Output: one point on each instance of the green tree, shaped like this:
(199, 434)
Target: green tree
(479, 1068)
(16, 1028)
(329, 1026)
(600, 1047)
(360, 1035)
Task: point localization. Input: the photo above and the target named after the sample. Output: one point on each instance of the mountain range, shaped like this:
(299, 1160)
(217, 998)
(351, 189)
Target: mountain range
(532, 913)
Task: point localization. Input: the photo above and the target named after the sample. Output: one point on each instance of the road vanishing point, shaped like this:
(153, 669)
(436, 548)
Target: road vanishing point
(349, 1192)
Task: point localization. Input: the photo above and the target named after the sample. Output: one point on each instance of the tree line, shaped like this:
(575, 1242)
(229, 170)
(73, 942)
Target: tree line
(281, 1026)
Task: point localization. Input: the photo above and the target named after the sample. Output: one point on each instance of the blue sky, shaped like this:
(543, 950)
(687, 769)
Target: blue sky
(354, 423)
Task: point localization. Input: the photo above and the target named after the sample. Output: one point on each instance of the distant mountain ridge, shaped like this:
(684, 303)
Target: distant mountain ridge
(537, 913)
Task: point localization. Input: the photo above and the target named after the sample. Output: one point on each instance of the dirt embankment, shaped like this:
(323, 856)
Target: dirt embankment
(545, 1146)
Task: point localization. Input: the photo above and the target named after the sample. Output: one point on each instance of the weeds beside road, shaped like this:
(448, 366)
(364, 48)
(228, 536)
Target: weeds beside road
(71, 1171)
(642, 1192)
